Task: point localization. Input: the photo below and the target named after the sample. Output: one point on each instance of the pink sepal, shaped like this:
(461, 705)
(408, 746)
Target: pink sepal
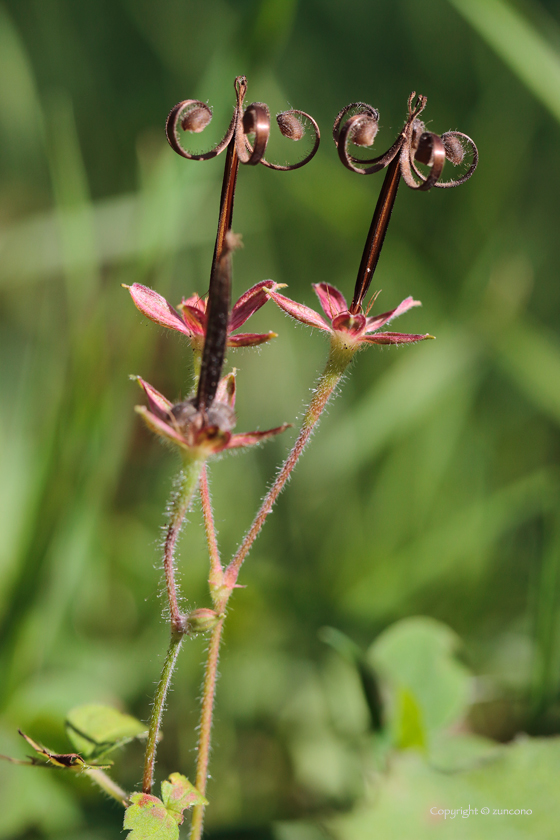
(332, 301)
(160, 427)
(299, 311)
(225, 391)
(378, 321)
(156, 308)
(250, 302)
(394, 338)
(253, 438)
(194, 318)
(158, 403)
(195, 302)
(250, 339)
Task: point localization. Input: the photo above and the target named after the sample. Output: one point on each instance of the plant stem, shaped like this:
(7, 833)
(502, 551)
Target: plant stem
(179, 506)
(208, 694)
(339, 358)
(180, 503)
(100, 778)
(157, 711)
(215, 578)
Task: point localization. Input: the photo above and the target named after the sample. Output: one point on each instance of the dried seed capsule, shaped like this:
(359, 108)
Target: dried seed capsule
(196, 119)
(365, 131)
(290, 126)
(454, 150)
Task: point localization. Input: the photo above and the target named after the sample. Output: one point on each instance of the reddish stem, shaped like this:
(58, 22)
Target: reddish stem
(180, 504)
(216, 571)
(208, 694)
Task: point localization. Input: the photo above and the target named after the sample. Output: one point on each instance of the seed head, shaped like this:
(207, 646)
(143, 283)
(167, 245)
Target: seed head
(290, 126)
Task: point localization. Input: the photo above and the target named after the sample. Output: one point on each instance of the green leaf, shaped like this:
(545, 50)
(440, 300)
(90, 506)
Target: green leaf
(430, 686)
(411, 798)
(149, 817)
(178, 794)
(96, 730)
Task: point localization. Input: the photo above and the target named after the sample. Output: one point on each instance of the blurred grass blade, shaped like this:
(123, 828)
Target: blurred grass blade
(401, 398)
(456, 546)
(530, 355)
(519, 45)
(71, 191)
(21, 124)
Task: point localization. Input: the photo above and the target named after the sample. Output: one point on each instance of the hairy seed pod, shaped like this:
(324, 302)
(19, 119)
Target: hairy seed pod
(184, 414)
(290, 126)
(454, 150)
(196, 119)
(365, 131)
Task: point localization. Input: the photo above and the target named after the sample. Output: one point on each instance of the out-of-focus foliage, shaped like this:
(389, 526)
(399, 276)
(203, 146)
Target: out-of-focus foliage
(431, 488)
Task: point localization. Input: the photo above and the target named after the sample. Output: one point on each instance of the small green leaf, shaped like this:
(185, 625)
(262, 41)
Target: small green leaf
(96, 730)
(179, 794)
(416, 655)
(148, 818)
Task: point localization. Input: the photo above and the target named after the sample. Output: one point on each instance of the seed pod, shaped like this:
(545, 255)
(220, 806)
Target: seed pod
(196, 119)
(290, 126)
(200, 621)
(454, 150)
(365, 131)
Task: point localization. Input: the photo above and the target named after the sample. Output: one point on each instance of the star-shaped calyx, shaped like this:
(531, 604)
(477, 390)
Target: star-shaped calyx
(351, 330)
(199, 433)
(191, 319)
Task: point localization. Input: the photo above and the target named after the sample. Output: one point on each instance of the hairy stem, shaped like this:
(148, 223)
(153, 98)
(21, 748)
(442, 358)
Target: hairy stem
(339, 358)
(215, 578)
(180, 503)
(179, 506)
(157, 711)
(208, 694)
(102, 780)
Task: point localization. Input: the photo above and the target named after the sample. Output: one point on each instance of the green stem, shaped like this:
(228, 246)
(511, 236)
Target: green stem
(203, 750)
(157, 711)
(103, 781)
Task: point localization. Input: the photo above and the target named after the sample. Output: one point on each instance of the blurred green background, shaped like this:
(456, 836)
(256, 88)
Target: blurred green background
(431, 488)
